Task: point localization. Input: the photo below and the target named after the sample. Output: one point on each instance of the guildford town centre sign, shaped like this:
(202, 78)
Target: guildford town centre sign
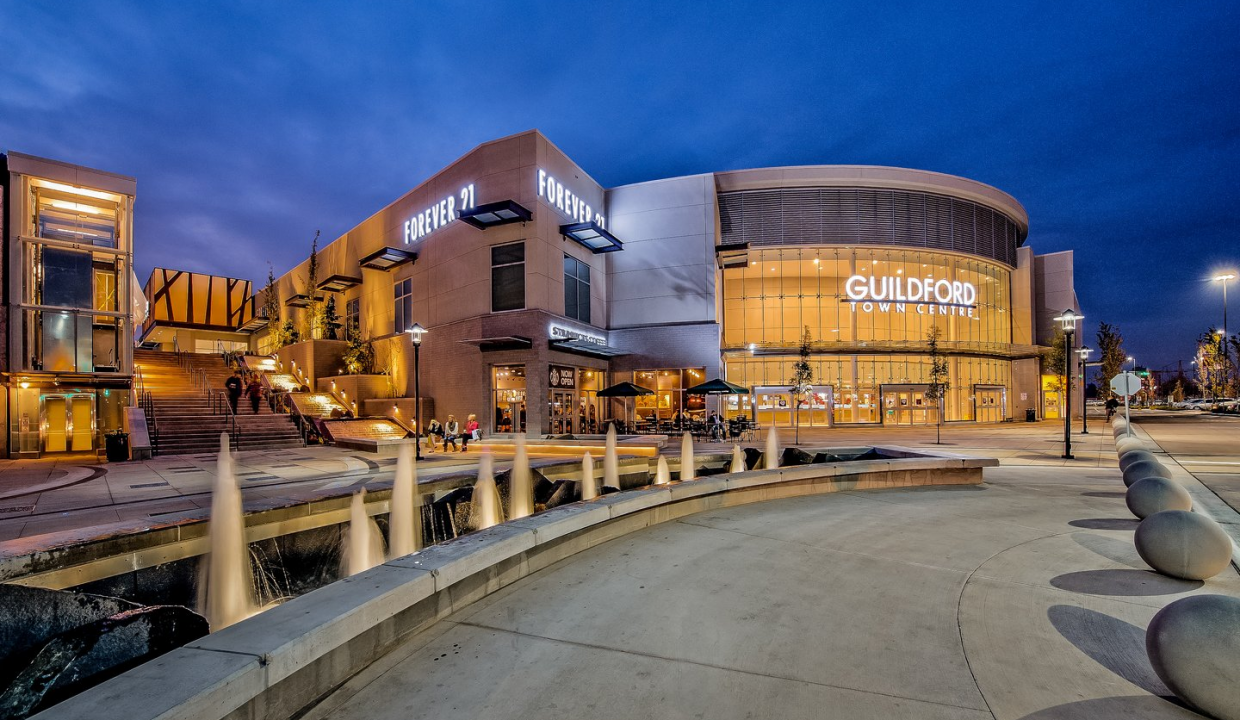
(927, 296)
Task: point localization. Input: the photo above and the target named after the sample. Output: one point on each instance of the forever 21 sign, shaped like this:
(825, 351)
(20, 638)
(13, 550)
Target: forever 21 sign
(562, 377)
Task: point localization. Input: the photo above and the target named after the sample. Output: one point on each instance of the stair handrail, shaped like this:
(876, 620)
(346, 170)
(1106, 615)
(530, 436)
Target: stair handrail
(152, 423)
(139, 385)
(221, 406)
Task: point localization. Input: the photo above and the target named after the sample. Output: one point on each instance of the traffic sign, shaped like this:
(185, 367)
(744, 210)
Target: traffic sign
(1126, 384)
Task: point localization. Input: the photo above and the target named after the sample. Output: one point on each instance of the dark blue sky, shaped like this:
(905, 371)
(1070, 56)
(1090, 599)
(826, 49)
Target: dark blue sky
(250, 125)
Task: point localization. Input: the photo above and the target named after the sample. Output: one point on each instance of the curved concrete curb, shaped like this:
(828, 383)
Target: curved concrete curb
(277, 663)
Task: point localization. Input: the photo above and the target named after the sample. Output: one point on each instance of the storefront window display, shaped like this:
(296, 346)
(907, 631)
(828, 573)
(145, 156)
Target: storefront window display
(669, 402)
(508, 389)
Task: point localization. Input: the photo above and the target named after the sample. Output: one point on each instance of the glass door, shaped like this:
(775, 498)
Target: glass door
(561, 412)
(908, 405)
(989, 403)
(68, 423)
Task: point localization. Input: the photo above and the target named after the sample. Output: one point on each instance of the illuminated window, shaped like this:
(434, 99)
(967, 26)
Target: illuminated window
(403, 290)
(576, 289)
(508, 277)
(74, 218)
(352, 317)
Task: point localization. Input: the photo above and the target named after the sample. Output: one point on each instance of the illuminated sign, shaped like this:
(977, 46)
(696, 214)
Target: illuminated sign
(439, 214)
(566, 201)
(562, 377)
(560, 332)
(927, 295)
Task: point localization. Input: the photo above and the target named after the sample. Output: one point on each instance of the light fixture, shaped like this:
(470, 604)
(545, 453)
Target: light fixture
(78, 191)
(416, 331)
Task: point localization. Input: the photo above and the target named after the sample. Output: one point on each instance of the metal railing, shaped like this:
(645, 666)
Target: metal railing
(147, 404)
(221, 406)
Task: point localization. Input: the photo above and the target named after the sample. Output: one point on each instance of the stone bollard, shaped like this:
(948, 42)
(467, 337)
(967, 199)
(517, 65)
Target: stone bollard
(1127, 444)
(1183, 544)
(1155, 494)
(1132, 456)
(1142, 469)
(1193, 644)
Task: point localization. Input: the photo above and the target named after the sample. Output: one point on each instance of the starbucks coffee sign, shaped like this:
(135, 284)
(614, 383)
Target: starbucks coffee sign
(925, 296)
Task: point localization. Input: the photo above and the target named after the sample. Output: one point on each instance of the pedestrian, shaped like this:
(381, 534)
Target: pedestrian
(1111, 405)
(233, 386)
(433, 431)
(255, 392)
(472, 431)
(451, 429)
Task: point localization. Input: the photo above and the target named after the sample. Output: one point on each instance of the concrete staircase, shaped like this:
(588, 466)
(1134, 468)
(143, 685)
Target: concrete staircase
(189, 420)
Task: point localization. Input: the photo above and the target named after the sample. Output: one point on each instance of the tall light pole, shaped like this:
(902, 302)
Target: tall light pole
(1084, 353)
(1067, 321)
(1223, 278)
(416, 332)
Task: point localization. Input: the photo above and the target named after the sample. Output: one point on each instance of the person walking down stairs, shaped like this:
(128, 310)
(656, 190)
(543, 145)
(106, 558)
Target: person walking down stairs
(233, 386)
(255, 392)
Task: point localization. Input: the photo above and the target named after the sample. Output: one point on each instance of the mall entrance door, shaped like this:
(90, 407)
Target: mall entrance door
(908, 405)
(989, 403)
(70, 423)
(562, 411)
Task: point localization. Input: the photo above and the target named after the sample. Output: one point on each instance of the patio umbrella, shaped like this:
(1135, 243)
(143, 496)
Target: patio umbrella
(625, 390)
(717, 387)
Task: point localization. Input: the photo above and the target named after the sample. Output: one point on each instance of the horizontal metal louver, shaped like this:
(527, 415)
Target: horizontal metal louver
(865, 216)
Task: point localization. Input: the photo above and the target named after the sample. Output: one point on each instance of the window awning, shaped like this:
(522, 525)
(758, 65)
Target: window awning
(496, 213)
(500, 342)
(593, 236)
(300, 300)
(585, 347)
(386, 258)
(338, 283)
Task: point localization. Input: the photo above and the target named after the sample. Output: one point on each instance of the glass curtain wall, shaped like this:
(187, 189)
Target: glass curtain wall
(856, 303)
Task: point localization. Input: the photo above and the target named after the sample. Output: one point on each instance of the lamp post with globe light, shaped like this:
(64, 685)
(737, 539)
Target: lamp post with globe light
(1067, 321)
(416, 332)
(1084, 352)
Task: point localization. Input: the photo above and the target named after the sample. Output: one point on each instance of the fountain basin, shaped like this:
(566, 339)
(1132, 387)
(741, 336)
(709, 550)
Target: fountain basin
(275, 664)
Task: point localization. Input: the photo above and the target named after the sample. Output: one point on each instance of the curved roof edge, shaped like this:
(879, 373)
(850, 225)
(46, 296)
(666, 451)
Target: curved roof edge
(874, 176)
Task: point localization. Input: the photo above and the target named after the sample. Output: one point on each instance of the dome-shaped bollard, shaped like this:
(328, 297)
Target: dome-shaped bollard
(1119, 428)
(1155, 494)
(1132, 456)
(1142, 469)
(1193, 644)
(1128, 444)
(1183, 544)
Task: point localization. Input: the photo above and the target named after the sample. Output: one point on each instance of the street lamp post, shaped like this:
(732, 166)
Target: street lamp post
(1067, 321)
(1084, 353)
(416, 332)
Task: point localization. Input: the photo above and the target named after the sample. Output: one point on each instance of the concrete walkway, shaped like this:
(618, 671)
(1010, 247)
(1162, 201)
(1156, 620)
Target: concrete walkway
(1021, 598)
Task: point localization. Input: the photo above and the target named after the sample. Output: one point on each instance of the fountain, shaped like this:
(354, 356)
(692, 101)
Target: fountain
(485, 507)
(229, 580)
(406, 517)
(363, 545)
(772, 450)
(662, 475)
(520, 484)
(738, 459)
(611, 463)
(687, 470)
(589, 486)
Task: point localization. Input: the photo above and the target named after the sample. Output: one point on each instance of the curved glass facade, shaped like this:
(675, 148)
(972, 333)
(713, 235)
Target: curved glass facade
(868, 312)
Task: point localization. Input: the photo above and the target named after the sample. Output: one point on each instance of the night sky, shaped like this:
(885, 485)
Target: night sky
(249, 125)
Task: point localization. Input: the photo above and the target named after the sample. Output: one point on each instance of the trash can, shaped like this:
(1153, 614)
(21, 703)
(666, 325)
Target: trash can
(117, 446)
(1030, 415)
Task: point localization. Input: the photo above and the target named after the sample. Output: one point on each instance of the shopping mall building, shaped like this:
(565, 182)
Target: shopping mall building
(539, 287)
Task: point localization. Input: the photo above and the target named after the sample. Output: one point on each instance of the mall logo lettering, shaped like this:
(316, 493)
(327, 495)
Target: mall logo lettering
(439, 214)
(927, 295)
(567, 202)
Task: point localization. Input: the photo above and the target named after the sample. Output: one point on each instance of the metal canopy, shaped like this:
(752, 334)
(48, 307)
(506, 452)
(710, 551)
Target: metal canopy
(499, 342)
(496, 213)
(592, 236)
(584, 347)
(338, 283)
(386, 258)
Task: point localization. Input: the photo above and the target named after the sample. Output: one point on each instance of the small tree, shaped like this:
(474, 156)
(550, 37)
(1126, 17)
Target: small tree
(359, 358)
(289, 333)
(1111, 347)
(939, 376)
(331, 321)
(802, 381)
(271, 310)
(314, 309)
